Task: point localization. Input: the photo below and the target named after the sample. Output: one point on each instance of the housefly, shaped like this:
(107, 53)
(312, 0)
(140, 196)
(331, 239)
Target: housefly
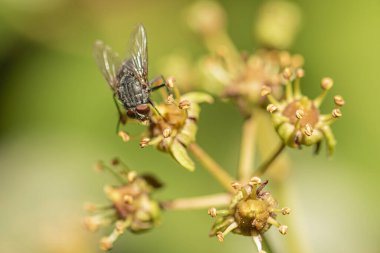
(128, 79)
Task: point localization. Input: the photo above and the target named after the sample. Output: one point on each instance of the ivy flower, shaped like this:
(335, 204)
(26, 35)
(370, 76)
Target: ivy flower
(297, 118)
(132, 207)
(252, 212)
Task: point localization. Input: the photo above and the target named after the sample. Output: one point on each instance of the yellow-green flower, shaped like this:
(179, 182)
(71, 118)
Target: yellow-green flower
(252, 212)
(297, 118)
(175, 127)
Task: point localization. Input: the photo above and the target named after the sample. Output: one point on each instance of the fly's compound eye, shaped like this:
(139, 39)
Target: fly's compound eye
(143, 109)
(131, 114)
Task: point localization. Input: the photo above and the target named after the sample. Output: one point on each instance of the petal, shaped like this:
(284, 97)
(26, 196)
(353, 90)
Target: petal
(179, 153)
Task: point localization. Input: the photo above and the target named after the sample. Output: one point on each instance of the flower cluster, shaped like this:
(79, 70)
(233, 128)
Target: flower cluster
(175, 127)
(252, 212)
(297, 118)
(132, 207)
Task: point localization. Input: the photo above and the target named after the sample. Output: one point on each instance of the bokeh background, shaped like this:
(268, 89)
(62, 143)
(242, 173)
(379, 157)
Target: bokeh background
(58, 119)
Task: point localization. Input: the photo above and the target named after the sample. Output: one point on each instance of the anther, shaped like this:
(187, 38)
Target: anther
(272, 108)
(170, 82)
(106, 244)
(265, 90)
(339, 101)
(308, 130)
(255, 180)
(236, 185)
(285, 210)
(336, 113)
(167, 132)
(131, 176)
(184, 104)
(327, 83)
(170, 100)
(300, 73)
(144, 142)
(128, 199)
(283, 229)
(300, 113)
(212, 212)
(124, 136)
(287, 73)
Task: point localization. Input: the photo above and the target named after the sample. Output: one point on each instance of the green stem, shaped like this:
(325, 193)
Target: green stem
(264, 167)
(202, 202)
(212, 167)
(247, 149)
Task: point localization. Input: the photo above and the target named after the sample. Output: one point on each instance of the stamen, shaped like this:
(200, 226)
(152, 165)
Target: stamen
(221, 235)
(326, 85)
(300, 73)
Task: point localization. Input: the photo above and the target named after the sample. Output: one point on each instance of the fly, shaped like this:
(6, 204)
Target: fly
(129, 79)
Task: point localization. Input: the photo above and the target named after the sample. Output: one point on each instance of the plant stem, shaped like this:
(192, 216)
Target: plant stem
(264, 167)
(212, 167)
(247, 149)
(201, 202)
(267, 245)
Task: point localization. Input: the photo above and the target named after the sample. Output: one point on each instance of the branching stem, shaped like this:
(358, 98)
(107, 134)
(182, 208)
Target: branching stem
(212, 167)
(264, 167)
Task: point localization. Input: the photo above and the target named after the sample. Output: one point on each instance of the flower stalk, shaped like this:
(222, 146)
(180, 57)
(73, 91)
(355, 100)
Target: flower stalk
(212, 166)
(202, 202)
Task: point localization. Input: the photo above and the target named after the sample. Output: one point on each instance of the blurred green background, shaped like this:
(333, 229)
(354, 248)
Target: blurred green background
(58, 118)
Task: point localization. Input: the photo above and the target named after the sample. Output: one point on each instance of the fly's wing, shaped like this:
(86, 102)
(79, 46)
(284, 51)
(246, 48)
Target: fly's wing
(137, 61)
(108, 62)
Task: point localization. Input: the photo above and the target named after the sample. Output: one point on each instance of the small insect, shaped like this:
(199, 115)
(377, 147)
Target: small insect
(129, 79)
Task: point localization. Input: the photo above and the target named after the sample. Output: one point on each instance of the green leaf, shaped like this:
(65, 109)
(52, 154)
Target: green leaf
(179, 153)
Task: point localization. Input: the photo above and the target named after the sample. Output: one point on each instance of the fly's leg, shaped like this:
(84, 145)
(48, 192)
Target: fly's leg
(155, 108)
(158, 83)
(122, 118)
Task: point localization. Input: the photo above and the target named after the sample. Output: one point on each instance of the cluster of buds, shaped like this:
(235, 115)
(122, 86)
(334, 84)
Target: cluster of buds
(132, 207)
(175, 127)
(297, 118)
(252, 212)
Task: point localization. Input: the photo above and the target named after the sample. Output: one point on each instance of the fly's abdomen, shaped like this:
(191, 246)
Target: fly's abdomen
(131, 92)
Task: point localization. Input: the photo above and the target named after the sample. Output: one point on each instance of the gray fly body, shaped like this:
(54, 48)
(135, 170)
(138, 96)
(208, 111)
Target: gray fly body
(129, 79)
